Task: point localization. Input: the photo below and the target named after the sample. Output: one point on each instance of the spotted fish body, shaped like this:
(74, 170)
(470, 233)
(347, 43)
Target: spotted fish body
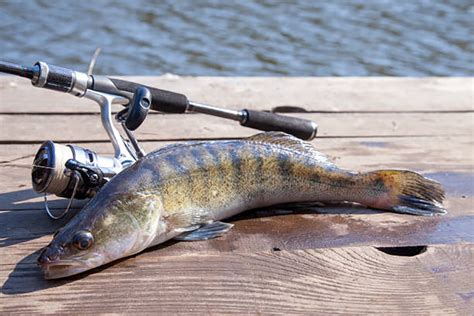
(183, 191)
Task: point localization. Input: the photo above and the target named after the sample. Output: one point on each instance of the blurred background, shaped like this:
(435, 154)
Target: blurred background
(244, 38)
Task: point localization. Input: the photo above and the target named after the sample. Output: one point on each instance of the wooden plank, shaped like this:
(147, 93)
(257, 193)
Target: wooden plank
(353, 280)
(309, 260)
(311, 94)
(179, 127)
(452, 167)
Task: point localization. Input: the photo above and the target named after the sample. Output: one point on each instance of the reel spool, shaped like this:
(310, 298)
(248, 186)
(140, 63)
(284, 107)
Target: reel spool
(49, 173)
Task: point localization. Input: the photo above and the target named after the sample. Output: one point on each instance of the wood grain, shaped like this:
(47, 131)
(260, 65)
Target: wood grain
(348, 280)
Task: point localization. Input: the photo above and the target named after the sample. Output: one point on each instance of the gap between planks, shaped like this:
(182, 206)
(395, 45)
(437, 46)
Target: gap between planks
(152, 140)
(276, 110)
(29, 129)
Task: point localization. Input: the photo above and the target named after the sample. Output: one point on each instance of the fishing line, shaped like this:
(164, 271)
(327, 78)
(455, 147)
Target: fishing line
(48, 211)
(38, 166)
(24, 165)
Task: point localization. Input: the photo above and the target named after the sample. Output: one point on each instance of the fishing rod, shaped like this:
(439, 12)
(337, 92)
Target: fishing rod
(74, 172)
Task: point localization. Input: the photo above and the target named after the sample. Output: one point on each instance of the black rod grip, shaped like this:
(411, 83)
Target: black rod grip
(161, 100)
(265, 121)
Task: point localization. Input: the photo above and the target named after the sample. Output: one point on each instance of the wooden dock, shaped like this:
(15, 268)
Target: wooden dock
(337, 258)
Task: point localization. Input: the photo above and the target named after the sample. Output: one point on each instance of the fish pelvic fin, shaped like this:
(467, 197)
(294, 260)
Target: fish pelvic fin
(404, 191)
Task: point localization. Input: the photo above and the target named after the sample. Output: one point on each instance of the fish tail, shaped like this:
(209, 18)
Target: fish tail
(402, 191)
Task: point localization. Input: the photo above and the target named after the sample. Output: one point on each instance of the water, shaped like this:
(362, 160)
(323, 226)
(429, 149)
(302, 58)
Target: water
(244, 38)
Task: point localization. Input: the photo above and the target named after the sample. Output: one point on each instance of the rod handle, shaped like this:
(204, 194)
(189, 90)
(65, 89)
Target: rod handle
(161, 100)
(265, 121)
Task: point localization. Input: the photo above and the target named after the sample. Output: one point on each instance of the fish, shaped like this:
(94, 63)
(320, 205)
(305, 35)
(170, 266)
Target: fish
(184, 191)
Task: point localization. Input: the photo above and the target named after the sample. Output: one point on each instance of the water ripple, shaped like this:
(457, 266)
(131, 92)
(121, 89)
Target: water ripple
(244, 38)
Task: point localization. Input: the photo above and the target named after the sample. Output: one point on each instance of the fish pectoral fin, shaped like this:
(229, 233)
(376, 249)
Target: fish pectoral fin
(186, 229)
(189, 219)
(208, 231)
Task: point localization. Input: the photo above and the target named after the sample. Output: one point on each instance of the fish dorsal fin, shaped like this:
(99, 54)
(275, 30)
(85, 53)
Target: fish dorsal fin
(289, 142)
(282, 139)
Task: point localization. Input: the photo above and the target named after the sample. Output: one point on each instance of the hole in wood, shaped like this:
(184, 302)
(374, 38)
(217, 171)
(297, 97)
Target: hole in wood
(288, 109)
(409, 251)
(276, 249)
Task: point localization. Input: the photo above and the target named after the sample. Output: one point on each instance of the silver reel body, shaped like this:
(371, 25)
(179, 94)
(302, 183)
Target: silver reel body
(50, 174)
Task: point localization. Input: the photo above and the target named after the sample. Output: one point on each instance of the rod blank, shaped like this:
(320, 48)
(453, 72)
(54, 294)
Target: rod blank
(18, 70)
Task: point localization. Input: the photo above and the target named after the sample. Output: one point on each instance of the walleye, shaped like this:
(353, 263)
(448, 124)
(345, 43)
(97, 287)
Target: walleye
(184, 191)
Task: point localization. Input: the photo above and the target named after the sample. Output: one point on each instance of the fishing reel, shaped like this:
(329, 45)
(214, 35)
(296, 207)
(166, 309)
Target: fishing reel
(54, 165)
(75, 172)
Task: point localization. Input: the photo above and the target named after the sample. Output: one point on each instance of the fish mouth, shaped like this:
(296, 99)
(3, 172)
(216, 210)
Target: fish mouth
(68, 267)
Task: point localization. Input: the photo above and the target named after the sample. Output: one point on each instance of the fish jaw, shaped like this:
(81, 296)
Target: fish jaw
(55, 267)
(64, 268)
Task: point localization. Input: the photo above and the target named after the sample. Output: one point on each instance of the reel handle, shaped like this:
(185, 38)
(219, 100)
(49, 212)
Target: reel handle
(138, 109)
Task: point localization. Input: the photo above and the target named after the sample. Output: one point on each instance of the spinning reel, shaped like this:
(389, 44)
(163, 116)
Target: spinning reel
(72, 172)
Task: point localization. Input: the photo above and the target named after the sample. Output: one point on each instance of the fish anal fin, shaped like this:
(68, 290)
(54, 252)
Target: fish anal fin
(205, 232)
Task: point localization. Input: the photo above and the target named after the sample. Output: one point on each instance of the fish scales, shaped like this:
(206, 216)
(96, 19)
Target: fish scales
(209, 179)
(183, 191)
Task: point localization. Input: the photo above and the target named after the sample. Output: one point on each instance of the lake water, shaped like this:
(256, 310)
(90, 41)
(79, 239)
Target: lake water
(244, 38)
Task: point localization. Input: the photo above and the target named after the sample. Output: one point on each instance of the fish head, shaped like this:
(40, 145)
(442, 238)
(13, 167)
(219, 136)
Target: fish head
(103, 231)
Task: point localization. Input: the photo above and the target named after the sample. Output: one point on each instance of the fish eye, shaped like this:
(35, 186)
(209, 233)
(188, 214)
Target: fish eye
(83, 240)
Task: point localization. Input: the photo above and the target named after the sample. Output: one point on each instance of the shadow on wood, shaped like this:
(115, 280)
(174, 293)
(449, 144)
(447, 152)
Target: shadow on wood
(28, 199)
(27, 277)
